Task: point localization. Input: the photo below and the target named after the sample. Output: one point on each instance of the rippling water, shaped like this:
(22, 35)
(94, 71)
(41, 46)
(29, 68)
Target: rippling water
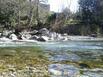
(73, 45)
(59, 46)
(86, 51)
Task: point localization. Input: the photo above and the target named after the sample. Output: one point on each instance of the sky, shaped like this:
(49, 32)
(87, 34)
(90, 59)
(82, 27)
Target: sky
(58, 5)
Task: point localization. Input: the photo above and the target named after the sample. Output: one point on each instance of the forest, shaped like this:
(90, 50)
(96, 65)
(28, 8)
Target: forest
(36, 14)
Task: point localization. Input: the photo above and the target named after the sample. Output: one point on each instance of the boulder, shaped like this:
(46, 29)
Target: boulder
(65, 38)
(65, 34)
(53, 35)
(93, 35)
(44, 31)
(43, 38)
(60, 37)
(57, 36)
(13, 37)
(25, 36)
(4, 39)
(33, 32)
(63, 70)
(6, 33)
(35, 37)
(0, 34)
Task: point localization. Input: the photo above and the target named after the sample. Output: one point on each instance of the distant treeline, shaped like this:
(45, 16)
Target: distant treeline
(35, 14)
(87, 20)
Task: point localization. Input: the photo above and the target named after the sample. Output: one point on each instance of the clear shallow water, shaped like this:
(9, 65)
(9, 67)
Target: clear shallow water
(60, 46)
(65, 51)
(73, 46)
(87, 50)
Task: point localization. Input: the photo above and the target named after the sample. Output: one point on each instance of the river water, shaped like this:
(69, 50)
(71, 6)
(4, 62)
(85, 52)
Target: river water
(73, 45)
(59, 45)
(89, 52)
(93, 47)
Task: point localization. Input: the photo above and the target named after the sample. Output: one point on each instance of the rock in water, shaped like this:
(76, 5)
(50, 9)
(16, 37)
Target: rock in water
(53, 36)
(43, 38)
(13, 37)
(65, 57)
(4, 39)
(0, 34)
(93, 74)
(83, 65)
(25, 36)
(6, 33)
(63, 70)
(35, 37)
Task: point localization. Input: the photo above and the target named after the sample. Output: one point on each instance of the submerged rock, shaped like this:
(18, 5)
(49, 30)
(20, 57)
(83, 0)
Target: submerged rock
(65, 57)
(93, 74)
(63, 70)
(83, 65)
(96, 72)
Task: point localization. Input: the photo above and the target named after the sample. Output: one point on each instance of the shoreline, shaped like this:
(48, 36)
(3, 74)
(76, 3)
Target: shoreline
(70, 38)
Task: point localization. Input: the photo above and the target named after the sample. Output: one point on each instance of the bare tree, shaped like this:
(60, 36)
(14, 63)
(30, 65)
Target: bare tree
(31, 13)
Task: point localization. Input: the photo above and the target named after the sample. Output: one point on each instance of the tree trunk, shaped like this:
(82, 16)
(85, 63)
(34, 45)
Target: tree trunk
(37, 12)
(30, 14)
(19, 14)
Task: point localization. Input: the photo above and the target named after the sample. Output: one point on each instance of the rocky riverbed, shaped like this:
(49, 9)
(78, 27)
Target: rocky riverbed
(23, 62)
(37, 62)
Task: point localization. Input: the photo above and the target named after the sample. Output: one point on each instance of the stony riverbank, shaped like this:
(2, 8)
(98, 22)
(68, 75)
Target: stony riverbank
(42, 35)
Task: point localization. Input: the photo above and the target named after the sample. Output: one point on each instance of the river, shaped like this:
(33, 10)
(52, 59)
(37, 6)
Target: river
(86, 54)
